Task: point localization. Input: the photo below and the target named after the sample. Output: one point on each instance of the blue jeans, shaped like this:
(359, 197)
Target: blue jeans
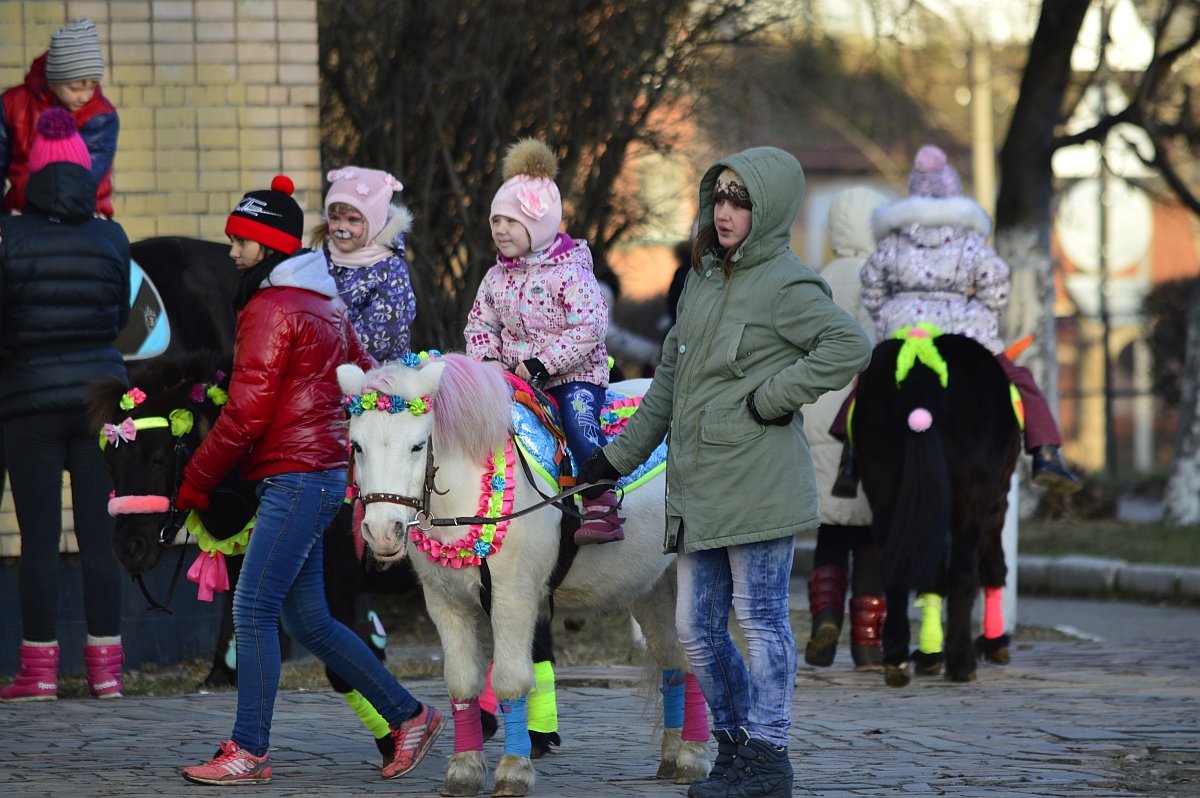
(579, 404)
(753, 579)
(283, 573)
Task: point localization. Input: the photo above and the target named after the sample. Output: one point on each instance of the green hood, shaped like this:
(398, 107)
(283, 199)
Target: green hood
(775, 181)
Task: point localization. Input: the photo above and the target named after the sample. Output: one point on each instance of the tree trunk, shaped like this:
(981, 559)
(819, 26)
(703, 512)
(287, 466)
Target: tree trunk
(1023, 207)
(1181, 498)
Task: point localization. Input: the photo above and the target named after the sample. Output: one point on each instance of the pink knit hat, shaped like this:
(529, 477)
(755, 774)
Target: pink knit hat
(368, 191)
(57, 139)
(529, 193)
(932, 175)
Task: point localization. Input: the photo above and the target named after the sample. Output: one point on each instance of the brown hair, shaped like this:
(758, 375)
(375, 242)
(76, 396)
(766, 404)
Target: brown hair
(706, 241)
(317, 239)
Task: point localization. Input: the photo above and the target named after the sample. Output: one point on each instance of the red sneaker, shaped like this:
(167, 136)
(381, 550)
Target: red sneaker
(233, 765)
(413, 740)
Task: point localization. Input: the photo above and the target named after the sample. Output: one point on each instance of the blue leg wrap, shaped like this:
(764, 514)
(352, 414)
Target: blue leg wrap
(673, 694)
(516, 727)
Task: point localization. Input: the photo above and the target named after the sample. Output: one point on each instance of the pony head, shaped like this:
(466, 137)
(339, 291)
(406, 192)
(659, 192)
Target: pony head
(145, 429)
(397, 412)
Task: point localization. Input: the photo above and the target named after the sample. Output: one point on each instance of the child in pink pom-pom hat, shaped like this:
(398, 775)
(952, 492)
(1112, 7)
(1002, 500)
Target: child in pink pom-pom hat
(541, 314)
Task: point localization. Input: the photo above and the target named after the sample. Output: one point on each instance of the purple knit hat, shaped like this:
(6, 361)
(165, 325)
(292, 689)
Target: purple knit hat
(57, 139)
(932, 175)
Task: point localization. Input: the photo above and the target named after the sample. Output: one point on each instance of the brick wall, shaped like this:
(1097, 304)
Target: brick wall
(215, 96)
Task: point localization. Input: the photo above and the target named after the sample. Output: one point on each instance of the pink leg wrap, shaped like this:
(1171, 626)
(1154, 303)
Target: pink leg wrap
(487, 699)
(468, 733)
(993, 612)
(695, 711)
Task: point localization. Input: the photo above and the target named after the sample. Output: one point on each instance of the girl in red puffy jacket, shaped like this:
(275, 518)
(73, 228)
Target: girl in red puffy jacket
(285, 427)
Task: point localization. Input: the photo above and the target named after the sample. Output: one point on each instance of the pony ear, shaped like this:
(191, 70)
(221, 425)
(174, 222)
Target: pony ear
(427, 379)
(350, 378)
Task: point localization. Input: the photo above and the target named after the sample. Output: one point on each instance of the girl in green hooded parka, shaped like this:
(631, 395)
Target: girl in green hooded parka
(758, 336)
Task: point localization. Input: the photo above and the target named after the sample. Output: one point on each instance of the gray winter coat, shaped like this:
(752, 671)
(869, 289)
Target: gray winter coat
(770, 328)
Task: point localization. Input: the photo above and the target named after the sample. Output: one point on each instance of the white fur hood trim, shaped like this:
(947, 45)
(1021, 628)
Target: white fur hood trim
(399, 221)
(960, 212)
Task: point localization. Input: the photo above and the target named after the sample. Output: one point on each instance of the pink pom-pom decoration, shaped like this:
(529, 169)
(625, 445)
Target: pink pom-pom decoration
(920, 420)
(929, 159)
(56, 123)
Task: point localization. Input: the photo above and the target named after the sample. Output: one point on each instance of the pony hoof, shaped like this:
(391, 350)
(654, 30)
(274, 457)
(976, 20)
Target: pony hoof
(465, 773)
(540, 743)
(691, 763)
(514, 776)
(669, 753)
(896, 675)
(994, 649)
(927, 664)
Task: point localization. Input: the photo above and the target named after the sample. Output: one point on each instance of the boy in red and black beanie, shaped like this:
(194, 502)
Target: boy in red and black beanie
(285, 426)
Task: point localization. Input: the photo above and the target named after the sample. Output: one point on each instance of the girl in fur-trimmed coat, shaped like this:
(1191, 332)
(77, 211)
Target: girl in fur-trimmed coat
(363, 239)
(933, 264)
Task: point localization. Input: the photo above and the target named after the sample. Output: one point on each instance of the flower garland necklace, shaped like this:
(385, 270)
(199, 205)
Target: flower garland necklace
(483, 540)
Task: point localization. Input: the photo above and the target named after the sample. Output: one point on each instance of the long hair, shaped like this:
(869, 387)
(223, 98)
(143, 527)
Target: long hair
(706, 242)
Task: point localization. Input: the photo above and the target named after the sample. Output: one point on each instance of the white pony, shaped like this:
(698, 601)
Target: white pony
(431, 445)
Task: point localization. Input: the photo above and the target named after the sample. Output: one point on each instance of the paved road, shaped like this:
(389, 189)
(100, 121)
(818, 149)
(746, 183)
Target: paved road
(1067, 718)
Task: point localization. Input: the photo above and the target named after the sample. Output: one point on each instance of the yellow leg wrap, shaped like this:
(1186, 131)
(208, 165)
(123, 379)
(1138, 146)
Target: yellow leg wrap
(930, 638)
(543, 703)
(374, 722)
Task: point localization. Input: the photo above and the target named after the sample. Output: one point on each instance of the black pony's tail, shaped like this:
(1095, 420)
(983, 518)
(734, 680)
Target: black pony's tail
(918, 540)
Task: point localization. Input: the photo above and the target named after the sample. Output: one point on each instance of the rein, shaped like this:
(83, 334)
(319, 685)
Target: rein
(170, 528)
(424, 520)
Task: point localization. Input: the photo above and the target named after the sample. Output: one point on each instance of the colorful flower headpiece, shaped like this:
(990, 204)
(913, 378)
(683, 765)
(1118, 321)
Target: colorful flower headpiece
(388, 403)
(414, 359)
(211, 390)
(132, 398)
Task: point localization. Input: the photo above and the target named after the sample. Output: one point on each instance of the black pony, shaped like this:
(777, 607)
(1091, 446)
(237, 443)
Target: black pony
(937, 438)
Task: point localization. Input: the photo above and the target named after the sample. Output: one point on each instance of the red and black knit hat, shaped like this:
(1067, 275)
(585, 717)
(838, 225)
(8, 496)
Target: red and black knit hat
(271, 217)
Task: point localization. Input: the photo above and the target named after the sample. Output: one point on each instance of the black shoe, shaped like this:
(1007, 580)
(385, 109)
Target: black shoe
(714, 785)
(845, 486)
(760, 771)
(1049, 471)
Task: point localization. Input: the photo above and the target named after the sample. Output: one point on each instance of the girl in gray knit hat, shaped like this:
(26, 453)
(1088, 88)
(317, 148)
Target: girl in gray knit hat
(67, 75)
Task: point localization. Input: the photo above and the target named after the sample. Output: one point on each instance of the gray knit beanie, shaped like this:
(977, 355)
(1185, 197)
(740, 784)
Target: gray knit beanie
(75, 53)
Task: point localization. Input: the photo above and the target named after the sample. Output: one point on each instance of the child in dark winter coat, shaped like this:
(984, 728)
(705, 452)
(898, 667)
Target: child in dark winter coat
(540, 312)
(66, 76)
(285, 426)
(64, 289)
(363, 240)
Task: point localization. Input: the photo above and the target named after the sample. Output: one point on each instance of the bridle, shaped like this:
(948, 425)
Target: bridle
(425, 520)
(175, 517)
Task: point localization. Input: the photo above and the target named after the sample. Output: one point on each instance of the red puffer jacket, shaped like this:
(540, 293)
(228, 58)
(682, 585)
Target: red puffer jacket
(285, 409)
(23, 104)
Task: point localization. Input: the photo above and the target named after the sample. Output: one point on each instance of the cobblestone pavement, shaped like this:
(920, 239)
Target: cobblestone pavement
(1066, 718)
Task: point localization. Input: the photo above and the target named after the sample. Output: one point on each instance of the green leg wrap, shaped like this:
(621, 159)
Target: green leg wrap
(930, 638)
(543, 702)
(374, 722)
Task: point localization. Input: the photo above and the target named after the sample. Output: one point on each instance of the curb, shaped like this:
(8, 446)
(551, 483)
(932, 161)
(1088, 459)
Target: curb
(1077, 575)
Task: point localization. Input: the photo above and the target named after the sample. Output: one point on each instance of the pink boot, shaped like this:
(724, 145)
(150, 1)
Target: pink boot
(608, 529)
(37, 678)
(104, 662)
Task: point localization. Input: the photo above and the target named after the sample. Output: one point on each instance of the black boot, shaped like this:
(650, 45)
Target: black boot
(760, 771)
(1049, 471)
(845, 486)
(714, 786)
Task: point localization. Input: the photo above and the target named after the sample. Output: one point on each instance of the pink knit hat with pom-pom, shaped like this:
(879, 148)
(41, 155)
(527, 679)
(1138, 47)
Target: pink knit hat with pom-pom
(57, 140)
(932, 175)
(529, 193)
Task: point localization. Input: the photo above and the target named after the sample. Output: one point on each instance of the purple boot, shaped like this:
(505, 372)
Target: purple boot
(37, 676)
(607, 529)
(104, 669)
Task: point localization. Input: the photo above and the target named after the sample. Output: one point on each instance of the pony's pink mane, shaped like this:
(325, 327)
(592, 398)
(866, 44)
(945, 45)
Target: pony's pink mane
(470, 408)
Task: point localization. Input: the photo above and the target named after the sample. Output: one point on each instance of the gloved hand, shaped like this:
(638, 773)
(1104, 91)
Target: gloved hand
(190, 498)
(781, 421)
(597, 467)
(533, 372)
